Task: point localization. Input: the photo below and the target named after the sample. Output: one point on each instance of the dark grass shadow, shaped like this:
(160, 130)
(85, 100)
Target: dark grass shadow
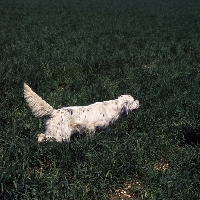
(190, 137)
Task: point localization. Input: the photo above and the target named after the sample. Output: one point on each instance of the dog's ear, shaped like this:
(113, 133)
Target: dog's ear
(124, 110)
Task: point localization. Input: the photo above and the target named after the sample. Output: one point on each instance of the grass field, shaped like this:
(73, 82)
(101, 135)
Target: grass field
(76, 52)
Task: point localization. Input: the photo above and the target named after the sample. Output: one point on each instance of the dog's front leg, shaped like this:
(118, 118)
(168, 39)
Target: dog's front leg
(91, 129)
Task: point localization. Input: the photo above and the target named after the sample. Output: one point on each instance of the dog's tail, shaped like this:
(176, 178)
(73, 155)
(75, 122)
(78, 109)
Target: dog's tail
(38, 106)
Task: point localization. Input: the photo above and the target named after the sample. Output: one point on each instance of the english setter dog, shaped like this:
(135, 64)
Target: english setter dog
(62, 123)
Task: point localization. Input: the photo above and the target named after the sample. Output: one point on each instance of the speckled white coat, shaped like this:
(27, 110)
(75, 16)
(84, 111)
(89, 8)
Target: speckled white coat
(62, 123)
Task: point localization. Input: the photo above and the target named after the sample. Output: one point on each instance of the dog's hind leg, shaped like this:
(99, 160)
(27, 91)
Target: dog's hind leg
(41, 137)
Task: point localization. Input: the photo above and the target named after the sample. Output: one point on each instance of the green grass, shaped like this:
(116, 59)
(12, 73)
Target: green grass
(78, 52)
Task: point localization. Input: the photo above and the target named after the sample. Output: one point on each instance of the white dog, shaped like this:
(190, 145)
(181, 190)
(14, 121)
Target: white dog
(61, 124)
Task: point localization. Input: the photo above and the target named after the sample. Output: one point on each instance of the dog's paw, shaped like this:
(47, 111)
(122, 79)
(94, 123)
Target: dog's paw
(41, 137)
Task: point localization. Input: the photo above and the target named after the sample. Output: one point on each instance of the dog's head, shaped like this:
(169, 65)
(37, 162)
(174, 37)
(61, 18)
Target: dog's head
(127, 104)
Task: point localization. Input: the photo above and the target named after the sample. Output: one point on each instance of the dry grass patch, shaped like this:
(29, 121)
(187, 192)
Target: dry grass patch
(129, 191)
(161, 166)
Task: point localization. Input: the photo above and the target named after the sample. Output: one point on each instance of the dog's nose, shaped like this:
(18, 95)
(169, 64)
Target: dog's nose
(137, 103)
